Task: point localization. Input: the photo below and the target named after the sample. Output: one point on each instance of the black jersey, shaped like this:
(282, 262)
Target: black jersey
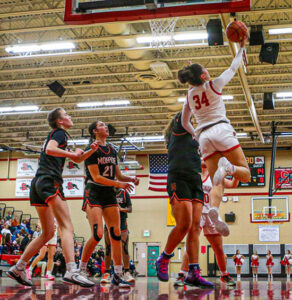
(183, 156)
(52, 165)
(106, 159)
(124, 201)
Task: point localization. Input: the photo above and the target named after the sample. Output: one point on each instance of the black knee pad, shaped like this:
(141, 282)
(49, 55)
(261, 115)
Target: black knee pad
(125, 246)
(95, 235)
(108, 250)
(115, 237)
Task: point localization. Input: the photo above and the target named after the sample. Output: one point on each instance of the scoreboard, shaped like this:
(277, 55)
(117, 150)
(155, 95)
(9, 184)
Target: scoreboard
(257, 169)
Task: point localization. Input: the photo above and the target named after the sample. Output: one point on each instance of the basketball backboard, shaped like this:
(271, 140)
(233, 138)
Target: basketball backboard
(270, 209)
(104, 11)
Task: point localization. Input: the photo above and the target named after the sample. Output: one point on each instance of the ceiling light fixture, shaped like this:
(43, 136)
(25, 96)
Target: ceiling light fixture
(187, 36)
(40, 47)
(27, 108)
(154, 138)
(283, 94)
(286, 30)
(103, 103)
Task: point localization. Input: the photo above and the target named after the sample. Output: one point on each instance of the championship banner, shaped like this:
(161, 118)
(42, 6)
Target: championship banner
(73, 169)
(283, 178)
(73, 187)
(22, 188)
(27, 167)
(170, 220)
(130, 173)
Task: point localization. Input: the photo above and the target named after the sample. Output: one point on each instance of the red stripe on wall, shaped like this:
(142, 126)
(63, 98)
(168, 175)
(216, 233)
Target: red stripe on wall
(6, 159)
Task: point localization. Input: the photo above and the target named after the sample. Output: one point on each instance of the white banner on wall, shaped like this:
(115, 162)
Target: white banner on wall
(130, 173)
(73, 169)
(22, 188)
(73, 187)
(269, 233)
(27, 167)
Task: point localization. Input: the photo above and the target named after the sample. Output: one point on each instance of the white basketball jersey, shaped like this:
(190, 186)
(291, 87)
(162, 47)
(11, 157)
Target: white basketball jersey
(254, 257)
(207, 105)
(207, 186)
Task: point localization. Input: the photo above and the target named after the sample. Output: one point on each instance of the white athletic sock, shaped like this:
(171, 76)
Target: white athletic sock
(183, 272)
(119, 270)
(70, 266)
(83, 266)
(21, 265)
(49, 273)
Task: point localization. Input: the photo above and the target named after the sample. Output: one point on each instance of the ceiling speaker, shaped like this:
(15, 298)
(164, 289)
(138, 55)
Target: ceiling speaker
(214, 29)
(57, 88)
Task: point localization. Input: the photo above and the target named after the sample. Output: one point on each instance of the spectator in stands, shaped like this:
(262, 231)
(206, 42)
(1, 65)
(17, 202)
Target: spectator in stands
(5, 230)
(9, 216)
(59, 263)
(37, 232)
(100, 253)
(25, 241)
(77, 257)
(14, 224)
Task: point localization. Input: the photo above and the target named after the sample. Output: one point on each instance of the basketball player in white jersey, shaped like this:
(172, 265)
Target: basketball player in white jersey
(50, 246)
(213, 237)
(219, 146)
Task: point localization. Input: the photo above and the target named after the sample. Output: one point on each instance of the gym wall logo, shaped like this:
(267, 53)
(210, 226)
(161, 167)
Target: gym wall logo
(72, 165)
(26, 167)
(71, 186)
(73, 169)
(24, 187)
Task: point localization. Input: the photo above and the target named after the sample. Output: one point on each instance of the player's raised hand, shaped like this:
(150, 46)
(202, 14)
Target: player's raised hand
(78, 152)
(243, 42)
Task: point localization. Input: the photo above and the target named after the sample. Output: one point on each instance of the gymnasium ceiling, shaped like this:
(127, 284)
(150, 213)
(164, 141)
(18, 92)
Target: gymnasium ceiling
(107, 64)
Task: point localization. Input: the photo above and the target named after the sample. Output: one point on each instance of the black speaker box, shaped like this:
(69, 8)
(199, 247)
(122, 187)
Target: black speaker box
(268, 102)
(57, 88)
(111, 129)
(214, 29)
(269, 53)
(230, 217)
(256, 35)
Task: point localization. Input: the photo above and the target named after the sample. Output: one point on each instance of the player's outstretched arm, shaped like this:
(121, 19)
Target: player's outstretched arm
(185, 120)
(124, 178)
(53, 150)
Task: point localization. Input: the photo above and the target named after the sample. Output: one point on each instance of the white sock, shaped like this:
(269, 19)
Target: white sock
(49, 273)
(70, 266)
(214, 207)
(21, 265)
(119, 270)
(83, 266)
(183, 272)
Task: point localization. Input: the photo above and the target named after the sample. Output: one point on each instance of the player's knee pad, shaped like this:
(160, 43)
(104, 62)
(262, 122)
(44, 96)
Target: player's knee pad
(125, 246)
(95, 234)
(115, 237)
(108, 250)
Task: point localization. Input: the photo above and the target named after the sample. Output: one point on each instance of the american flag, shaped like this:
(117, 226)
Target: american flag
(158, 172)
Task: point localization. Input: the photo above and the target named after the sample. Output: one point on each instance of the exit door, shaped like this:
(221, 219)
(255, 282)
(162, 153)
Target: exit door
(153, 253)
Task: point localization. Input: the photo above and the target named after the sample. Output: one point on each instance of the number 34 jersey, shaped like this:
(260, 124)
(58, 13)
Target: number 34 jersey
(106, 159)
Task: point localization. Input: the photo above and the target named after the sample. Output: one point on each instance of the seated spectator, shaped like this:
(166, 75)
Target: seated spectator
(59, 263)
(25, 241)
(37, 232)
(6, 230)
(100, 253)
(14, 224)
(9, 216)
(77, 258)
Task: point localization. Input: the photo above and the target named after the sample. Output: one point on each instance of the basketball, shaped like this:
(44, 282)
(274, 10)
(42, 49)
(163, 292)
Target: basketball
(236, 31)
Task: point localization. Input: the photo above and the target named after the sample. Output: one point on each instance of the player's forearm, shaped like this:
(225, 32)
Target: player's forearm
(105, 181)
(84, 156)
(57, 152)
(237, 61)
(185, 120)
(124, 178)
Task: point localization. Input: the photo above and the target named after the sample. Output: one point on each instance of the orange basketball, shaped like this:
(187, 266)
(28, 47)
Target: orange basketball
(236, 31)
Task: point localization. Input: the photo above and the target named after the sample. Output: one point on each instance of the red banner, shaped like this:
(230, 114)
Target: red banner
(283, 178)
